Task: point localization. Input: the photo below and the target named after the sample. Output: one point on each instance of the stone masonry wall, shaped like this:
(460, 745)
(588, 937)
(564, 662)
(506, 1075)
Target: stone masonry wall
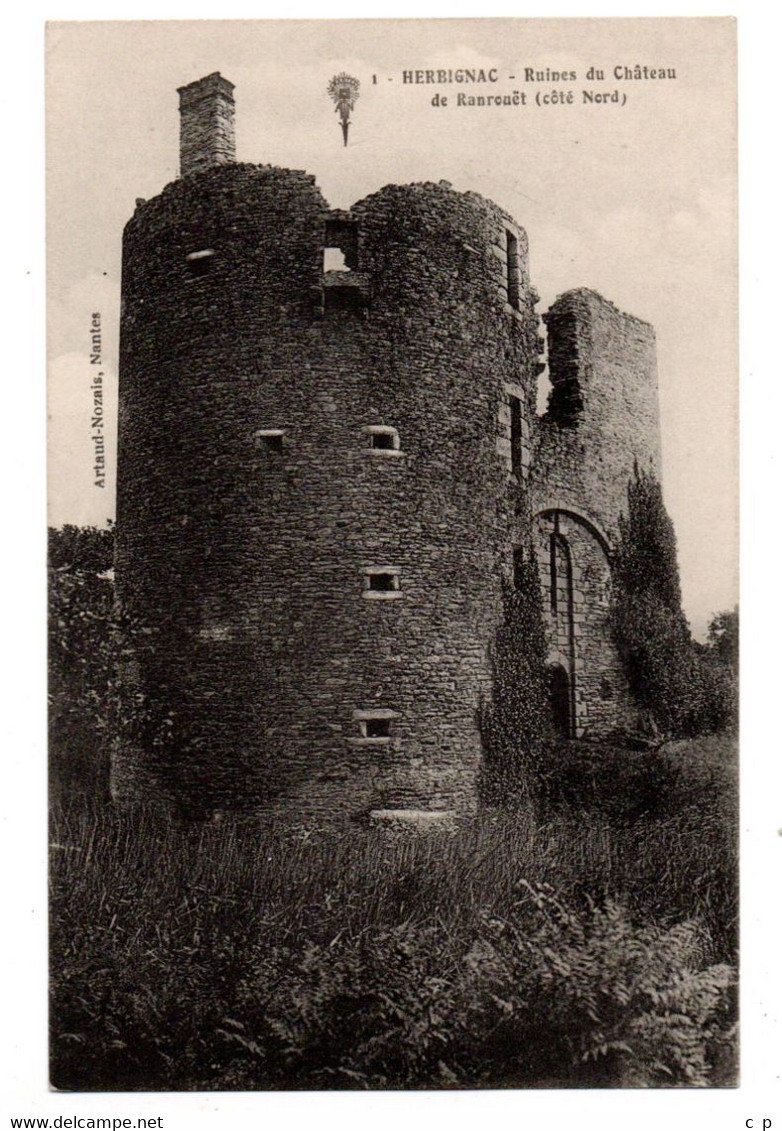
(577, 622)
(329, 461)
(254, 510)
(602, 416)
(207, 137)
(603, 409)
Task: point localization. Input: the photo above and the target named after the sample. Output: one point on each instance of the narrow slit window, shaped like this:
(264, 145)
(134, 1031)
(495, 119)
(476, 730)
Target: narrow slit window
(515, 435)
(200, 262)
(512, 268)
(553, 572)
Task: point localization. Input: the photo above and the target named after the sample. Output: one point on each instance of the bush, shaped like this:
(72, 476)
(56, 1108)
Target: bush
(624, 784)
(724, 638)
(542, 994)
(595, 987)
(645, 559)
(670, 677)
(239, 956)
(81, 657)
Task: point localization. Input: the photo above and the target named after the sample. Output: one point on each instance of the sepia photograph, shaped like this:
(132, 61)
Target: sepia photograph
(392, 555)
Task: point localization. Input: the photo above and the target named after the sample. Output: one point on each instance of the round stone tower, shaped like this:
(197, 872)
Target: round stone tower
(323, 441)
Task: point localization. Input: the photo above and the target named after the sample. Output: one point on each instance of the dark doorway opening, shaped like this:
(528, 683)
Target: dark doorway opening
(559, 697)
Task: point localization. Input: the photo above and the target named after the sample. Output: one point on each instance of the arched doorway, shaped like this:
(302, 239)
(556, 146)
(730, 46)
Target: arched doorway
(575, 582)
(559, 698)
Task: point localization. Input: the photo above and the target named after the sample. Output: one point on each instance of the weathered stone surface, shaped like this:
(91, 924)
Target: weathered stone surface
(249, 516)
(602, 416)
(249, 559)
(422, 822)
(603, 410)
(207, 138)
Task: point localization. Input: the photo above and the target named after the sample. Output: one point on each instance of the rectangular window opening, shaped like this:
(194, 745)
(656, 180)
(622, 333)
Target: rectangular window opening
(375, 725)
(383, 582)
(515, 435)
(200, 262)
(340, 245)
(383, 441)
(382, 437)
(378, 728)
(344, 300)
(270, 439)
(334, 259)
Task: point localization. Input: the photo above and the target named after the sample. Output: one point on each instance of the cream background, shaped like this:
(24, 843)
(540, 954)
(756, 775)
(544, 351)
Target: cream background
(23, 949)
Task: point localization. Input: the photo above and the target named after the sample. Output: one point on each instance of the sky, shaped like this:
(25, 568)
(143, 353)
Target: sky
(637, 201)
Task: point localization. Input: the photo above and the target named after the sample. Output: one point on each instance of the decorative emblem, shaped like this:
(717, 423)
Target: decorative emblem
(343, 90)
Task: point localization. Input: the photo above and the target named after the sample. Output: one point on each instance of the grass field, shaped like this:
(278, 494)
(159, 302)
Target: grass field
(591, 942)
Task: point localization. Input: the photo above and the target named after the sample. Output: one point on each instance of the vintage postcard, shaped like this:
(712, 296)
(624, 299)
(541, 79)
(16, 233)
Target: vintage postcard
(393, 555)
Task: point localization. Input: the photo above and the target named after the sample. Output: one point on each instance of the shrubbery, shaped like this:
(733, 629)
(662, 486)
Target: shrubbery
(724, 638)
(625, 784)
(516, 952)
(81, 657)
(541, 994)
(589, 939)
(679, 684)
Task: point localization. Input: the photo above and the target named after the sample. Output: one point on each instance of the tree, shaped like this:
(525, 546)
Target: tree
(667, 673)
(723, 637)
(645, 562)
(81, 600)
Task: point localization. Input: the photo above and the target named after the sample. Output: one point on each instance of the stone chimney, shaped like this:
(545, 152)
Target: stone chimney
(206, 133)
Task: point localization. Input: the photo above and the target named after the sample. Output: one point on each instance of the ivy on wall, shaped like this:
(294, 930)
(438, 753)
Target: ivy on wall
(516, 724)
(679, 689)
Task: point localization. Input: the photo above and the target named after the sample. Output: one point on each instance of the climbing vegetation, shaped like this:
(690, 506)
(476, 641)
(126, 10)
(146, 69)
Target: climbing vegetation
(683, 688)
(516, 724)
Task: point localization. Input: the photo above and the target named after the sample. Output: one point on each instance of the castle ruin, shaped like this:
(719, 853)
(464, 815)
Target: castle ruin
(330, 462)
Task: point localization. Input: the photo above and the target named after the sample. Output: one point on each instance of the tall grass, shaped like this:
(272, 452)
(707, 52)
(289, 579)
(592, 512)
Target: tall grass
(244, 954)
